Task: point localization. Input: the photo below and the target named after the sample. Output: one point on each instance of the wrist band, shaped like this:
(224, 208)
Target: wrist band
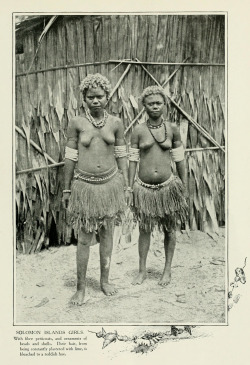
(66, 191)
(134, 154)
(71, 154)
(120, 151)
(178, 154)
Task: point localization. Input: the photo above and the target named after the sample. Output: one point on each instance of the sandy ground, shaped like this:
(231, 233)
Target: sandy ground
(46, 281)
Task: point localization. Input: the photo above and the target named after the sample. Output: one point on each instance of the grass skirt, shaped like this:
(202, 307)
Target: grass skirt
(160, 207)
(96, 205)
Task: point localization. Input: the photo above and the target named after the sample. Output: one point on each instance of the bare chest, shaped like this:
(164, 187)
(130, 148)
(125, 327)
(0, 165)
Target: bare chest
(88, 134)
(161, 137)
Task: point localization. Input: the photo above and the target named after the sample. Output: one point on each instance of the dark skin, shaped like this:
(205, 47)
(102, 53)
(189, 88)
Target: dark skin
(95, 155)
(155, 168)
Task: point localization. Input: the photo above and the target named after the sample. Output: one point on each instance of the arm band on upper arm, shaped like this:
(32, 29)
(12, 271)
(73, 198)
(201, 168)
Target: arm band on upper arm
(178, 154)
(120, 151)
(134, 154)
(71, 154)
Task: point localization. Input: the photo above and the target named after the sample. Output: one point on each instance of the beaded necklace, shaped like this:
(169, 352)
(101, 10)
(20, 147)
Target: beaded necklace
(155, 126)
(150, 126)
(97, 123)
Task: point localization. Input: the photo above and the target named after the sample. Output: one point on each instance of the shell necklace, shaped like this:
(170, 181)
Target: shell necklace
(97, 123)
(150, 126)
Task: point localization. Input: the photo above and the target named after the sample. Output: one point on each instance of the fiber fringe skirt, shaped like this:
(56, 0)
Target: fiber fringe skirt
(96, 201)
(162, 205)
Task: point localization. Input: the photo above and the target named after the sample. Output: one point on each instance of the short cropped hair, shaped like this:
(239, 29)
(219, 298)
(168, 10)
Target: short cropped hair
(153, 90)
(96, 80)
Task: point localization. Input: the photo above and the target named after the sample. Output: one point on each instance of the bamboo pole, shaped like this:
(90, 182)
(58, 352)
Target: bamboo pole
(56, 68)
(133, 121)
(173, 73)
(117, 61)
(169, 63)
(119, 82)
(35, 146)
(198, 126)
(163, 85)
(34, 169)
(203, 149)
(51, 21)
(188, 117)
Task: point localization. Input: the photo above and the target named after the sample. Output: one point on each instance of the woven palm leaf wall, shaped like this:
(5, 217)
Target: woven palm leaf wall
(47, 100)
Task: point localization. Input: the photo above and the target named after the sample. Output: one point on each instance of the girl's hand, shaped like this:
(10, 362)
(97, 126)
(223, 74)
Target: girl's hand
(129, 198)
(65, 200)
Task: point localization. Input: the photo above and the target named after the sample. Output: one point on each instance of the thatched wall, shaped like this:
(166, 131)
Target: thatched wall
(45, 102)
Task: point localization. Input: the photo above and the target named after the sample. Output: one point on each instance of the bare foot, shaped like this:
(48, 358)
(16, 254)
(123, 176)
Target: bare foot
(165, 279)
(108, 289)
(78, 297)
(139, 278)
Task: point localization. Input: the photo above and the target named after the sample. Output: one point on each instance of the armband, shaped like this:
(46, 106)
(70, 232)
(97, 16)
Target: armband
(134, 154)
(178, 154)
(120, 151)
(71, 154)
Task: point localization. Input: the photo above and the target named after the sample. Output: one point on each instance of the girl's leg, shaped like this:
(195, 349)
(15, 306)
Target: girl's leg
(169, 246)
(143, 247)
(106, 247)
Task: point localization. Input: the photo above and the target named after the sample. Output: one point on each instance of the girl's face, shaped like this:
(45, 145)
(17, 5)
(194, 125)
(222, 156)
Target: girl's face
(154, 105)
(96, 98)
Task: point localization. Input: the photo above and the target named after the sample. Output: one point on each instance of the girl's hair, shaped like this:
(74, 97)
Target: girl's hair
(152, 90)
(96, 80)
